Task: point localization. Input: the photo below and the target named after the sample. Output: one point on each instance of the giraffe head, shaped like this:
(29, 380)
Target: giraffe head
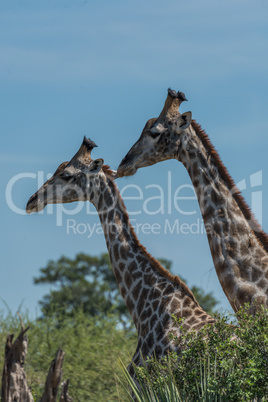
(76, 180)
(160, 139)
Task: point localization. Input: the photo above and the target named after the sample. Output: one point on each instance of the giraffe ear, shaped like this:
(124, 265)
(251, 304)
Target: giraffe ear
(184, 120)
(96, 166)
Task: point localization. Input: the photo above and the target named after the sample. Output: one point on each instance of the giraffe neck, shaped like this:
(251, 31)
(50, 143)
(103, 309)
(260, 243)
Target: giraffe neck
(240, 258)
(150, 292)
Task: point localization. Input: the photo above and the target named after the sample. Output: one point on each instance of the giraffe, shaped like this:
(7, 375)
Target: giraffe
(150, 292)
(237, 242)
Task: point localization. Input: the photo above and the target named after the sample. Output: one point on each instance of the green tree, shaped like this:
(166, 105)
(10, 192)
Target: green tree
(84, 283)
(87, 283)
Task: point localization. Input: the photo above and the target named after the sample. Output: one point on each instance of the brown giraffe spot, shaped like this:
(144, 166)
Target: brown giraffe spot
(150, 340)
(262, 284)
(161, 286)
(246, 293)
(196, 183)
(144, 329)
(186, 326)
(136, 275)
(124, 251)
(134, 247)
(146, 314)
(209, 212)
(104, 217)
(165, 301)
(162, 307)
(143, 297)
(229, 282)
(198, 326)
(130, 304)
(217, 228)
(144, 266)
(215, 250)
(149, 279)
(195, 169)
(169, 289)
(123, 292)
(135, 319)
(240, 227)
(175, 305)
(191, 154)
(256, 274)
(137, 290)
(127, 279)
(226, 226)
(153, 320)
(165, 319)
(236, 271)
(260, 301)
(166, 340)
(112, 232)
(140, 258)
(158, 329)
(121, 266)
(245, 269)
(191, 321)
(158, 351)
(132, 267)
(100, 202)
(258, 255)
(186, 302)
(111, 215)
(117, 275)
(206, 180)
(156, 293)
(116, 252)
(107, 197)
(187, 313)
(156, 304)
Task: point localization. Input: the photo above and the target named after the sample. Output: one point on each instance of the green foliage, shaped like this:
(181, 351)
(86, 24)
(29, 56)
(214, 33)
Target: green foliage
(91, 348)
(146, 391)
(86, 283)
(220, 363)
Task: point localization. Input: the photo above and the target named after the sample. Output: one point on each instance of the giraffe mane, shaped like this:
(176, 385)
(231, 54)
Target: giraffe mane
(248, 214)
(108, 171)
(156, 264)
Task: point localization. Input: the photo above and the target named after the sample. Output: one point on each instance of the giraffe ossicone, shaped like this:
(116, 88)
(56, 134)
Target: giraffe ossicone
(151, 293)
(238, 245)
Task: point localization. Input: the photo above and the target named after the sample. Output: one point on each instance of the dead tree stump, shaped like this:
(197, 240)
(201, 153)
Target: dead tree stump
(53, 378)
(14, 384)
(64, 397)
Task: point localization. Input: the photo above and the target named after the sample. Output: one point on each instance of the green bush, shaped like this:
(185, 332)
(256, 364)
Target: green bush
(220, 363)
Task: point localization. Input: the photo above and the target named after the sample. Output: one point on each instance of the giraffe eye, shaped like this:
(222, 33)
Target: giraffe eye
(66, 176)
(154, 134)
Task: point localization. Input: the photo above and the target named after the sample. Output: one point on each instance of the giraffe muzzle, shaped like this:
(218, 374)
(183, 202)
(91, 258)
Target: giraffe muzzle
(34, 205)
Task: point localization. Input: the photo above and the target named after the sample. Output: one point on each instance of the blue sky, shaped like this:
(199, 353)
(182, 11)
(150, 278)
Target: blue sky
(102, 69)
